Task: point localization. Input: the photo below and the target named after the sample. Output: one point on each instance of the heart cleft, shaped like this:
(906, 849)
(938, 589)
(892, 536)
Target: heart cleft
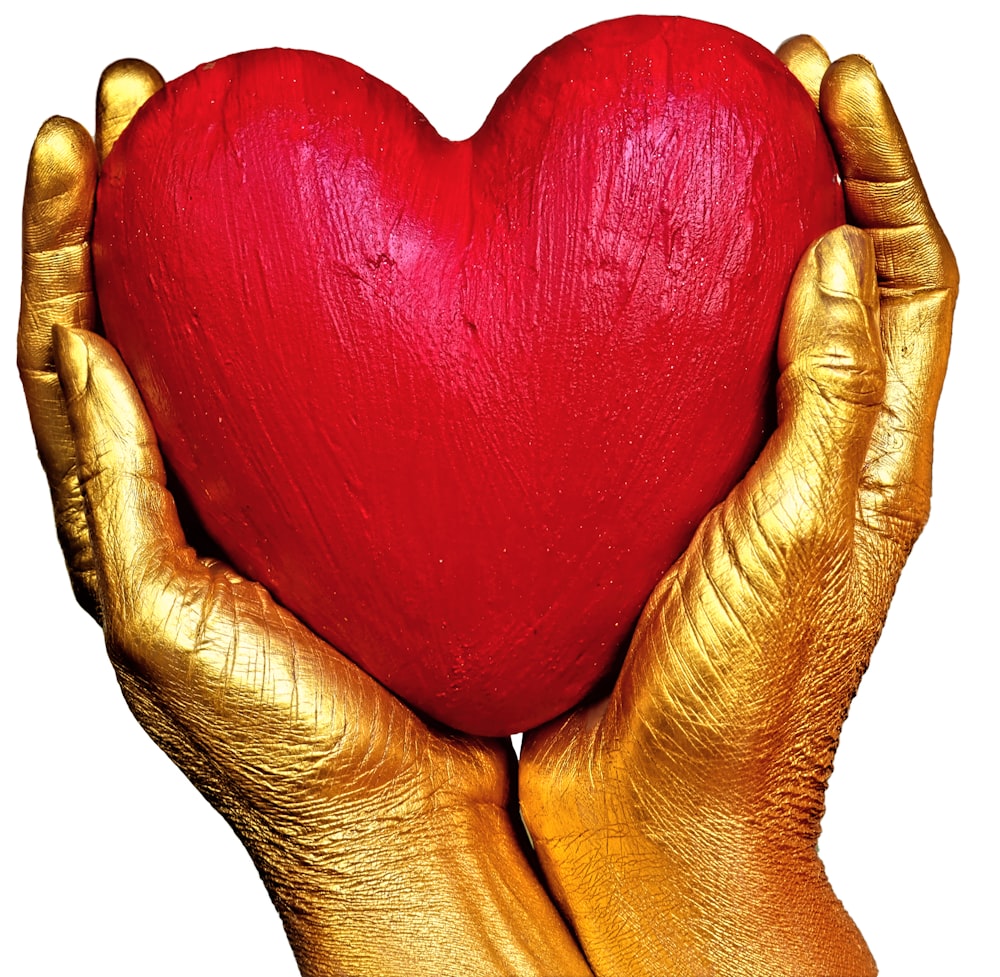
(459, 405)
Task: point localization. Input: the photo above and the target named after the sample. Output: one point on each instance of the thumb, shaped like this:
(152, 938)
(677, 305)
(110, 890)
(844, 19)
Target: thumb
(133, 522)
(804, 486)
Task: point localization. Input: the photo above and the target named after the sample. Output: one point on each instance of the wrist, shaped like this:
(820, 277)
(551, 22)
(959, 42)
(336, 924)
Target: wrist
(674, 881)
(452, 894)
(703, 905)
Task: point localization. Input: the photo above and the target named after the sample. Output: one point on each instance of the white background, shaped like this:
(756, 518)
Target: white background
(114, 864)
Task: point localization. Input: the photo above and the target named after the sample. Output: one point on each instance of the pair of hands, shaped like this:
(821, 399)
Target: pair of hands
(675, 824)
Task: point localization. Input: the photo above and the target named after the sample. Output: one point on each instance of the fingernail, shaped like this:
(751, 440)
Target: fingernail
(72, 360)
(846, 263)
(838, 255)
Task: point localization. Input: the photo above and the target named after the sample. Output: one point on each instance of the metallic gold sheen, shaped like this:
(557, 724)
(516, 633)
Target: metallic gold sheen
(677, 822)
(56, 288)
(806, 58)
(387, 846)
(122, 90)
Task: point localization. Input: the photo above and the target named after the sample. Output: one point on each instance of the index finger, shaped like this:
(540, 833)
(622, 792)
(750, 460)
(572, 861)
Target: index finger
(57, 289)
(883, 188)
(56, 286)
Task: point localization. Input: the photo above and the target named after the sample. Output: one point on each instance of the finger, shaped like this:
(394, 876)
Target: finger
(803, 490)
(57, 289)
(211, 647)
(777, 548)
(805, 58)
(919, 280)
(152, 585)
(133, 522)
(123, 89)
(881, 182)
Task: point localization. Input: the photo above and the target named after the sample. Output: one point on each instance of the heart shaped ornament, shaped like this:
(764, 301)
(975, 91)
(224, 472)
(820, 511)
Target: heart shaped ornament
(459, 405)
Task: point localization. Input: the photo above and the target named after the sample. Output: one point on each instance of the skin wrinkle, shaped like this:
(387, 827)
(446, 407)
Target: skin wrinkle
(796, 794)
(733, 527)
(167, 730)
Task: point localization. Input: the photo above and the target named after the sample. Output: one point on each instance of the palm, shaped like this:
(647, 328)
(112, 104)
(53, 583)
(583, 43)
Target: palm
(297, 720)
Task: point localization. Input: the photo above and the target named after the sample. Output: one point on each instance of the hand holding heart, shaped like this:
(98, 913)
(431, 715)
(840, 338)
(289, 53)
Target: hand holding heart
(705, 770)
(388, 845)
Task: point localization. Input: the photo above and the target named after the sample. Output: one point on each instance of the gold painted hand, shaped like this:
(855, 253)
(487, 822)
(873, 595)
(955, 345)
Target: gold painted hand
(386, 844)
(677, 822)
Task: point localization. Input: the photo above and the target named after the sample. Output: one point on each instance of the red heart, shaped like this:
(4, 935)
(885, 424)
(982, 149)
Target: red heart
(460, 404)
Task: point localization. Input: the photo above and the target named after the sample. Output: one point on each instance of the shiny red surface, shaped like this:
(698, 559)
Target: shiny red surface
(460, 404)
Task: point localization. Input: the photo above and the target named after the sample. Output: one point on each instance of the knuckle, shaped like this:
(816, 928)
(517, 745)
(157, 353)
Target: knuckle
(848, 365)
(842, 375)
(150, 606)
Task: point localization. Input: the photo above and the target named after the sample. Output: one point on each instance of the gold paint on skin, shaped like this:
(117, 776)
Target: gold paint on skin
(387, 846)
(675, 823)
